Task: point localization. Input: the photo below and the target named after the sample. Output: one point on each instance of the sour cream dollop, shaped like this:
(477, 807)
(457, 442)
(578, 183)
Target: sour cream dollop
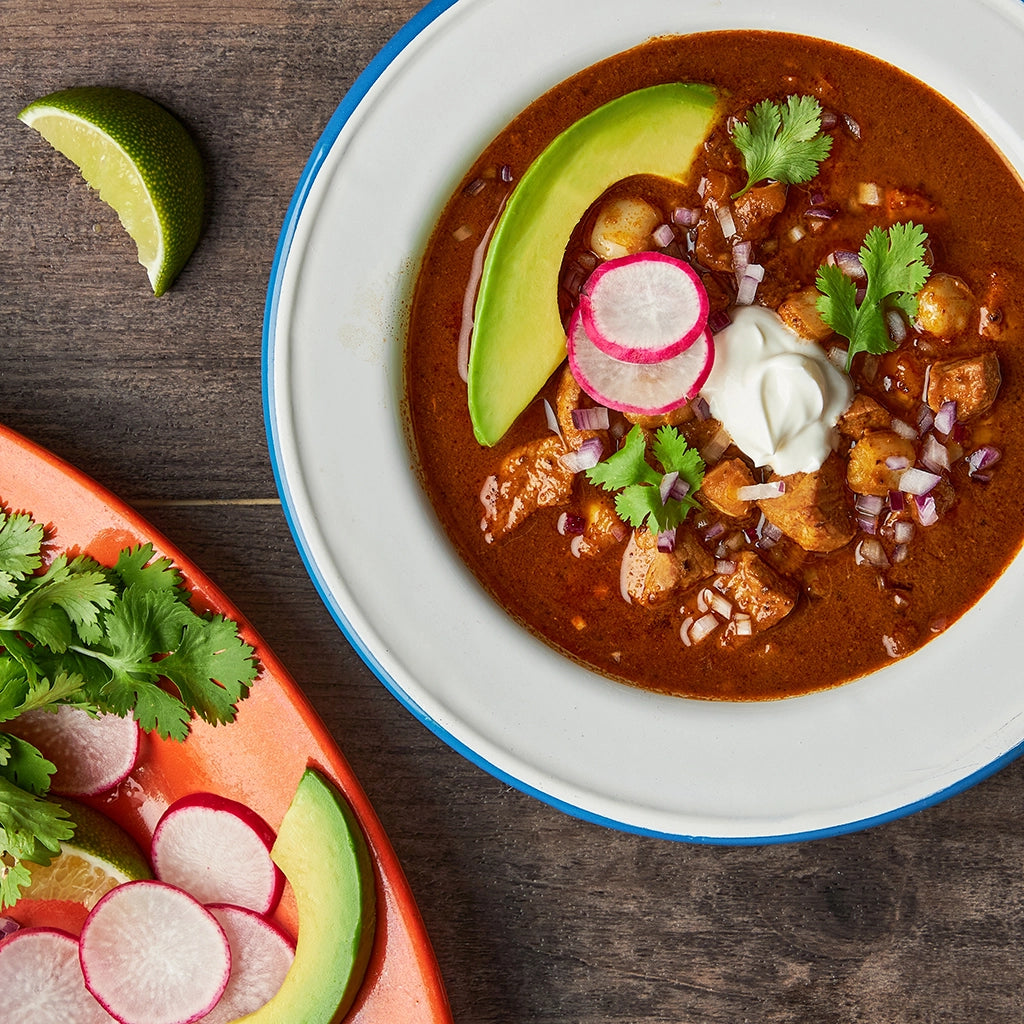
(777, 394)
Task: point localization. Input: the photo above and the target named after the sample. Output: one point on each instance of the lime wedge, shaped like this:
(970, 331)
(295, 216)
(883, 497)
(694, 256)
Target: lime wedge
(99, 856)
(140, 158)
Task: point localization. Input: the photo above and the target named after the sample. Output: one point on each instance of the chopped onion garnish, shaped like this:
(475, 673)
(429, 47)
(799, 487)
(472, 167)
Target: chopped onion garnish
(469, 296)
(897, 501)
(668, 481)
(837, 357)
(725, 566)
(768, 534)
(903, 532)
(594, 418)
(896, 325)
(869, 551)
(925, 419)
(667, 541)
(899, 554)
(686, 216)
(897, 462)
(725, 219)
(934, 455)
(741, 253)
(820, 213)
(981, 458)
(714, 530)
(570, 525)
(945, 418)
(664, 235)
(743, 626)
(747, 290)
(575, 544)
(552, 419)
(587, 456)
(684, 631)
(905, 430)
(867, 524)
(505, 173)
(918, 481)
(927, 513)
(718, 321)
(703, 627)
(8, 926)
(869, 504)
(721, 606)
(756, 492)
(796, 233)
(851, 126)
(701, 409)
(848, 262)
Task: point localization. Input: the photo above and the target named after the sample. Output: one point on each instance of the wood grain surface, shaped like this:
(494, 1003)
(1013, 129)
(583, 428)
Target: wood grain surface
(535, 916)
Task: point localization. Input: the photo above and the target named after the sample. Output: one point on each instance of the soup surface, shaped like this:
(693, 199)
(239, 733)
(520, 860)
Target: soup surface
(753, 600)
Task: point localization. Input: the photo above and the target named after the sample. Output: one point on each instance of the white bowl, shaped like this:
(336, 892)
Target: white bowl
(398, 144)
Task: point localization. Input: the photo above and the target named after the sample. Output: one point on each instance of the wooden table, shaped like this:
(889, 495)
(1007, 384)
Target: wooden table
(535, 916)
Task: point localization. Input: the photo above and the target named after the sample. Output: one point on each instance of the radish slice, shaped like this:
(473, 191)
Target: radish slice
(92, 755)
(261, 955)
(41, 979)
(644, 308)
(219, 851)
(647, 389)
(151, 954)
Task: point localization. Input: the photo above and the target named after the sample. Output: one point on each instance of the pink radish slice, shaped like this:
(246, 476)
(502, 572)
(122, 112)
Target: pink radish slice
(41, 979)
(219, 851)
(261, 955)
(644, 308)
(151, 954)
(92, 755)
(647, 389)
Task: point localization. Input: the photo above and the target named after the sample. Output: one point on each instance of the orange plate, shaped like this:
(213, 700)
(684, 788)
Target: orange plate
(257, 760)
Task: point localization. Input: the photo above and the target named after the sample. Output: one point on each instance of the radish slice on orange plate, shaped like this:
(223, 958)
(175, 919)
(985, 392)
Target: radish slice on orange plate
(644, 308)
(647, 389)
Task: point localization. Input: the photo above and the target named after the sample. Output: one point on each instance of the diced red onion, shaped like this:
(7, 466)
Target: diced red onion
(475, 187)
(686, 216)
(679, 490)
(917, 481)
(667, 541)
(718, 320)
(712, 451)
(768, 534)
(703, 627)
(747, 290)
(848, 262)
(925, 419)
(869, 551)
(587, 456)
(701, 409)
(904, 429)
(663, 235)
(743, 625)
(741, 253)
(867, 524)
(820, 213)
(981, 458)
(726, 566)
(927, 513)
(837, 356)
(899, 553)
(721, 605)
(903, 532)
(934, 455)
(725, 220)
(897, 501)
(869, 504)
(594, 418)
(667, 483)
(869, 194)
(8, 926)
(684, 631)
(552, 419)
(757, 492)
(896, 325)
(570, 524)
(945, 418)
(505, 173)
(851, 126)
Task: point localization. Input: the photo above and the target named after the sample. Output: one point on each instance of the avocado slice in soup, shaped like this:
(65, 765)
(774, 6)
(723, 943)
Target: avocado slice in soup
(518, 340)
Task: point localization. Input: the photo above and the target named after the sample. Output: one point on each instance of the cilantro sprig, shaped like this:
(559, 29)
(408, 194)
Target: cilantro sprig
(781, 141)
(893, 261)
(122, 640)
(639, 484)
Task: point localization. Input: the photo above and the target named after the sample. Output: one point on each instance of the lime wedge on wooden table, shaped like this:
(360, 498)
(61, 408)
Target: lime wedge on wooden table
(140, 158)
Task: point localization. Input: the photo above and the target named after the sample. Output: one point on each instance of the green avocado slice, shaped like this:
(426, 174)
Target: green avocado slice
(518, 340)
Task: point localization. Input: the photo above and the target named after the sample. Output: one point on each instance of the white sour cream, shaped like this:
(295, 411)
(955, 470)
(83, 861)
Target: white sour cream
(776, 393)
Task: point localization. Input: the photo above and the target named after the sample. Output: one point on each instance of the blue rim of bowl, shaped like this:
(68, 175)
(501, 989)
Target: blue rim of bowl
(349, 103)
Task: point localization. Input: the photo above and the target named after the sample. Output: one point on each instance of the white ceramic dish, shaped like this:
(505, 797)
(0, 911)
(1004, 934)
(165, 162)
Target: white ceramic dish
(831, 762)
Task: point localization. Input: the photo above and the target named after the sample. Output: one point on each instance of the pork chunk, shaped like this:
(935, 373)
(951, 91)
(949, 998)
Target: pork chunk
(877, 462)
(813, 510)
(863, 415)
(799, 312)
(758, 590)
(650, 576)
(529, 478)
(972, 382)
(720, 485)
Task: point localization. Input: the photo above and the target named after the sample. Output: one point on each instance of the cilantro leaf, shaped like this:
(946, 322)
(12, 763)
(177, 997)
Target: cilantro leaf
(781, 142)
(627, 471)
(893, 261)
